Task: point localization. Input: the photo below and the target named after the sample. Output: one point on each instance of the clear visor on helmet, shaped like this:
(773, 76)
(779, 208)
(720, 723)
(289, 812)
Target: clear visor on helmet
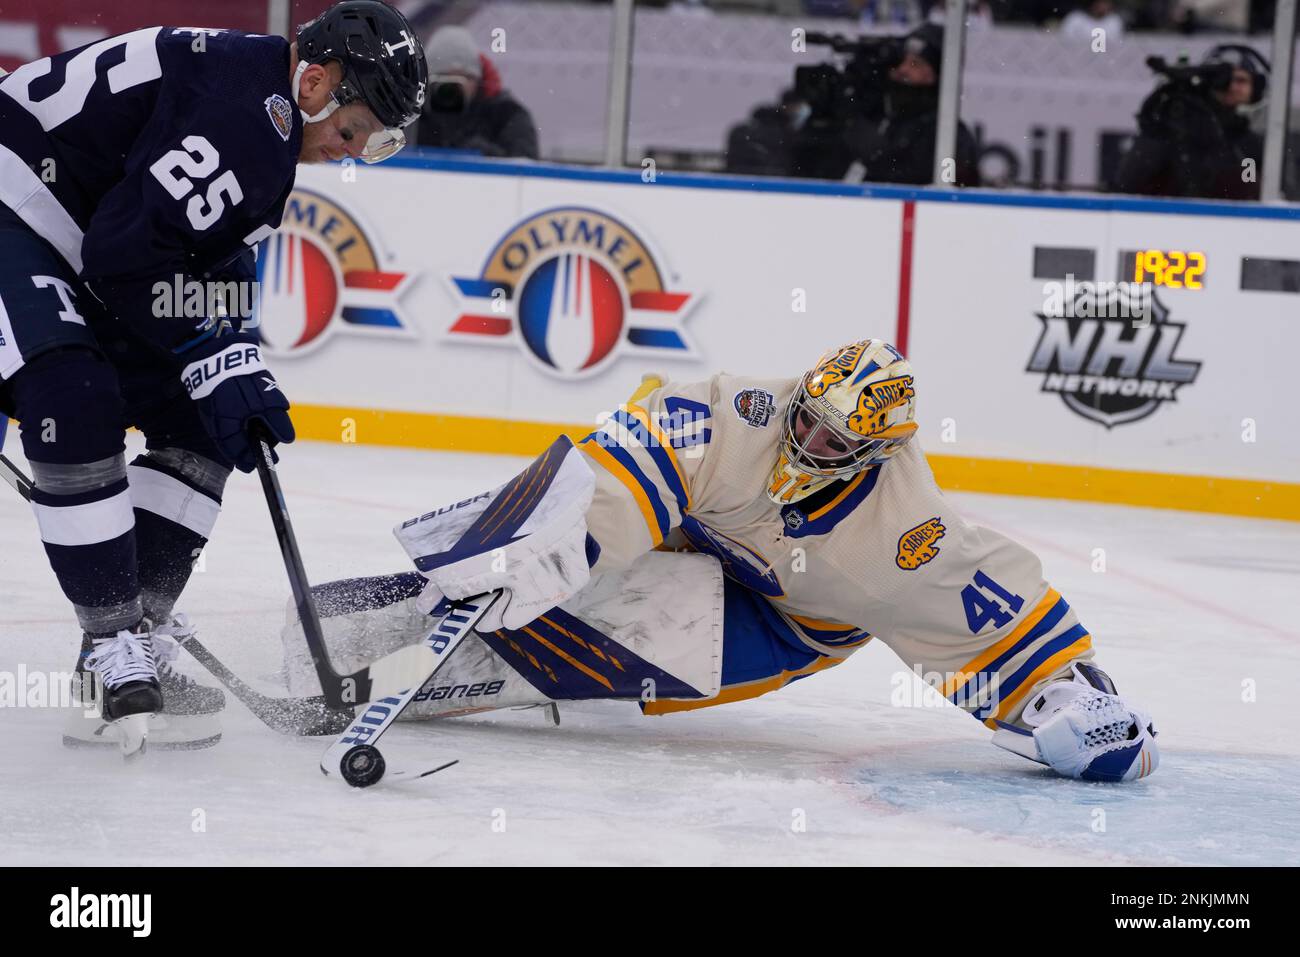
(382, 144)
(819, 446)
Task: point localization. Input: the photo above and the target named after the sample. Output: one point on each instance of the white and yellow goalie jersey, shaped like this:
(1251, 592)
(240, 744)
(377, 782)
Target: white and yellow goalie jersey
(880, 555)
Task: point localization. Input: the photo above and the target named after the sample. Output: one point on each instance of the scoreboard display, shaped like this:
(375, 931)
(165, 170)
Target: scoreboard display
(1167, 268)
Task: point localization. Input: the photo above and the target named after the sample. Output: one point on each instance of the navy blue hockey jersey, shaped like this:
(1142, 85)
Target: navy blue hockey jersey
(159, 152)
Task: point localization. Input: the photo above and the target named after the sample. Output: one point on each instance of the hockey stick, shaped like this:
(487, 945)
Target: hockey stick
(392, 674)
(355, 753)
(302, 716)
(20, 482)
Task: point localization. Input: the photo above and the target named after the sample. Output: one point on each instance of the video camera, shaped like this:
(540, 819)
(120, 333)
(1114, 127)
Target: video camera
(1189, 88)
(857, 88)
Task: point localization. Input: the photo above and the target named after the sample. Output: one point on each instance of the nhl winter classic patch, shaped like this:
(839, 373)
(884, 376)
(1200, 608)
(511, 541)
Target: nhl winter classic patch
(919, 545)
(281, 114)
(754, 407)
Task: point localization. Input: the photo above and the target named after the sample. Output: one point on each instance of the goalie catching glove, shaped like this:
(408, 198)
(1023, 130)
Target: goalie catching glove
(528, 538)
(1082, 729)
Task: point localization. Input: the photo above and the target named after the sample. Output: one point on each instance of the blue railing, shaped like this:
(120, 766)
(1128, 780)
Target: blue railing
(456, 162)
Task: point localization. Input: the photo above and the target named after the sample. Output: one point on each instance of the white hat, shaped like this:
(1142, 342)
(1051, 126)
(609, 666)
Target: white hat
(453, 50)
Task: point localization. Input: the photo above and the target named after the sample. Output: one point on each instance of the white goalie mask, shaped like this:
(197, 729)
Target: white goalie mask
(851, 412)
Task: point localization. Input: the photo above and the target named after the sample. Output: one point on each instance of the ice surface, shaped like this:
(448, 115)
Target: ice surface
(1193, 616)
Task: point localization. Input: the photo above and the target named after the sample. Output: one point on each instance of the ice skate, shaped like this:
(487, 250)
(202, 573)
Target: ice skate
(117, 683)
(188, 717)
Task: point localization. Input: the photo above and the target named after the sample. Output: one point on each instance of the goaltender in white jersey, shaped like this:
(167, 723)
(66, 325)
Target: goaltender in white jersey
(812, 499)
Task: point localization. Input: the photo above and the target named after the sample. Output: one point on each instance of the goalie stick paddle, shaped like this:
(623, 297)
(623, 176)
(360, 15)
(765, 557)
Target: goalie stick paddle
(354, 755)
(301, 716)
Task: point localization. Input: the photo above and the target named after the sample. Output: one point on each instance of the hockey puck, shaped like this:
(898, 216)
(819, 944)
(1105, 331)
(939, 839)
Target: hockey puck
(362, 765)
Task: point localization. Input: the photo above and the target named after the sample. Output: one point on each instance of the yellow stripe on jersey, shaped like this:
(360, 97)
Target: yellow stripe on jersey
(741, 691)
(977, 664)
(848, 490)
(1052, 664)
(815, 630)
(649, 382)
(821, 624)
(612, 466)
(642, 416)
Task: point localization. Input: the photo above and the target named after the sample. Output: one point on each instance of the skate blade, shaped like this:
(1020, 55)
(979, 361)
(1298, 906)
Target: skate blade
(133, 735)
(166, 732)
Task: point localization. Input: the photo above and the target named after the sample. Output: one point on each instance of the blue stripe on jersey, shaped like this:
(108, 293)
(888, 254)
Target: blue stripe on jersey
(661, 456)
(833, 636)
(1006, 688)
(824, 523)
(779, 626)
(625, 459)
(986, 674)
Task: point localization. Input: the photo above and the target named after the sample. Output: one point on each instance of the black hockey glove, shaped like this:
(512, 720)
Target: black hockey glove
(233, 389)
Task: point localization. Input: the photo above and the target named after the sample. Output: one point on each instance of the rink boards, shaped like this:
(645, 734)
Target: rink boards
(461, 304)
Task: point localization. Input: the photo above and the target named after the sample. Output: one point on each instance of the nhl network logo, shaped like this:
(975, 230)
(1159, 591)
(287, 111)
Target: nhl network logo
(1105, 365)
(73, 910)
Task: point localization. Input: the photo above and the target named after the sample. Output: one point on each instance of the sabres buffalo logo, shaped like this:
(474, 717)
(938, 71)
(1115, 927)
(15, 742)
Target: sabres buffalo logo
(320, 274)
(835, 369)
(919, 545)
(876, 401)
(574, 288)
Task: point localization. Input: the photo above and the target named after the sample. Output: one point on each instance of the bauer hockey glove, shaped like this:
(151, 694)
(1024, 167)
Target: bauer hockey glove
(1082, 729)
(233, 389)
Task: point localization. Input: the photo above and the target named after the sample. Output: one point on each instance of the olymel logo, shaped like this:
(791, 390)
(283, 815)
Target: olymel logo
(320, 274)
(575, 288)
(1107, 366)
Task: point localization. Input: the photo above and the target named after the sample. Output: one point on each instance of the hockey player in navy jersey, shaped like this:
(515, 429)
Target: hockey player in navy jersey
(162, 156)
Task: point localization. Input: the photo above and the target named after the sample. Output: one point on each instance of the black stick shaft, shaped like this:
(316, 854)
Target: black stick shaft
(330, 680)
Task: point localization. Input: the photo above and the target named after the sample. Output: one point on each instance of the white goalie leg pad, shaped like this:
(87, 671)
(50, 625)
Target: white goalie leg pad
(667, 610)
(527, 537)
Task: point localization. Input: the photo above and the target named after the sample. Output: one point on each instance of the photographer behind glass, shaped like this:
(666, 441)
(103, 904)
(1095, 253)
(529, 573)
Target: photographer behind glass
(466, 107)
(1194, 133)
(876, 118)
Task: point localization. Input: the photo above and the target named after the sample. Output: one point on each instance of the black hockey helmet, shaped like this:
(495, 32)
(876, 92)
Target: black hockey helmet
(382, 60)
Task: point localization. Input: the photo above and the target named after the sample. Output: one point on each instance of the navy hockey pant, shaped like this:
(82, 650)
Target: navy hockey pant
(121, 540)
